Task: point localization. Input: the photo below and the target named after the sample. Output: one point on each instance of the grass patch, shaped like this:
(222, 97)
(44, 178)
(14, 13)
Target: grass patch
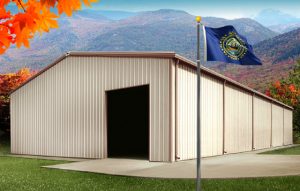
(4, 147)
(285, 151)
(27, 175)
(296, 137)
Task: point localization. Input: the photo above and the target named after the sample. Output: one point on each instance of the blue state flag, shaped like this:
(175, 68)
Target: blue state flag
(225, 44)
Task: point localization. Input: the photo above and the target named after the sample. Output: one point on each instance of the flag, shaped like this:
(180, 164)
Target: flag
(225, 44)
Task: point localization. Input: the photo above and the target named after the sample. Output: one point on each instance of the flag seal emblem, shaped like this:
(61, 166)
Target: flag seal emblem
(233, 46)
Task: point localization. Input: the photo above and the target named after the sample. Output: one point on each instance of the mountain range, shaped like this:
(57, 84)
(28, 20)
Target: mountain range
(277, 21)
(167, 30)
(269, 17)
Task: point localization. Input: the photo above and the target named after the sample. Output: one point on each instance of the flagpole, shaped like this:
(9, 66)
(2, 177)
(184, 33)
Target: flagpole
(205, 45)
(198, 180)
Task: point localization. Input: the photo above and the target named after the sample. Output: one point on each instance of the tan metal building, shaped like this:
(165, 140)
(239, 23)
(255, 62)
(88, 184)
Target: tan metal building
(140, 104)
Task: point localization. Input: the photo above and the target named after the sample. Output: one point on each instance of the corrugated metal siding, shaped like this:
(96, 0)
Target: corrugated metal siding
(63, 113)
(212, 116)
(288, 127)
(277, 125)
(262, 122)
(186, 113)
(211, 109)
(238, 120)
(172, 110)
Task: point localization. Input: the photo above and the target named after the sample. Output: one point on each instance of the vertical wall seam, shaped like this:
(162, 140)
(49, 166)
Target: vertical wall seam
(253, 121)
(283, 127)
(171, 117)
(176, 110)
(224, 128)
(271, 144)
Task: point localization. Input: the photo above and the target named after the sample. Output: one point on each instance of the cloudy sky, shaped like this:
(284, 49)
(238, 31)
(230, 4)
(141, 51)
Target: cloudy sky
(218, 8)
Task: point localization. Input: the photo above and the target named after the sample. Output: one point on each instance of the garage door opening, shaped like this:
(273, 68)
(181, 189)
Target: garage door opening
(128, 123)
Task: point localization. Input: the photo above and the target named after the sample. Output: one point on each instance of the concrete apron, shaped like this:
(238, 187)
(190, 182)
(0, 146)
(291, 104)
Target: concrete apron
(240, 165)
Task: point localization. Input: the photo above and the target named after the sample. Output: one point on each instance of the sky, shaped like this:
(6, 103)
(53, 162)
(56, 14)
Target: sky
(218, 8)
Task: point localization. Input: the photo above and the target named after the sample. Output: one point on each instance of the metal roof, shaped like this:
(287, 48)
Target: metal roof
(156, 54)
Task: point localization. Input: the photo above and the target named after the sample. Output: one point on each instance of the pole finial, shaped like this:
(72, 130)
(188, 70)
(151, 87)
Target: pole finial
(198, 19)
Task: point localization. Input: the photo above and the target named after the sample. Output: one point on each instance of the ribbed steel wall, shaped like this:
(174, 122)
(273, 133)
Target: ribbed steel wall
(249, 121)
(238, 120)
(63, 113)
(288, 127)
(262, 123)
(212, 114)
(186, 113)
(277, 125)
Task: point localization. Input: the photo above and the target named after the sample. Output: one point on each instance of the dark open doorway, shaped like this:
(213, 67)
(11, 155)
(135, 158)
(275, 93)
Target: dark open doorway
(128, 122)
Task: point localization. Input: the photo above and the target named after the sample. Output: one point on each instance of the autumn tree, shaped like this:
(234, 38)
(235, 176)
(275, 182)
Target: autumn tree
(9, 82)
(288, 91)
(33, 16)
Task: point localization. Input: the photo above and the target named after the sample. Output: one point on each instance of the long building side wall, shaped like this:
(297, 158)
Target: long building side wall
(63, 113)
(233, 120)
(211, 118)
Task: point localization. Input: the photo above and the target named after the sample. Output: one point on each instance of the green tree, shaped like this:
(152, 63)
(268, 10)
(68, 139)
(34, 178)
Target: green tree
(294, 76)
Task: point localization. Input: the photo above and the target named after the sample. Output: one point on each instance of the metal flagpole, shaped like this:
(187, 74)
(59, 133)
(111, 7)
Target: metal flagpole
(198, 180)
(205, 45)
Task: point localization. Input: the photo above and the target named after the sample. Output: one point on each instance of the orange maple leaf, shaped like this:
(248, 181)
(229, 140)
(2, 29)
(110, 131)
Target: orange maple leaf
(46, 20)
(68, 6)
(25, 20)
(22, 37)
(5, 38)
(4, 2)
(49, 3)
(4, 14)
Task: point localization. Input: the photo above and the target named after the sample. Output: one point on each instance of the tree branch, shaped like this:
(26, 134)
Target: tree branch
(22, 5)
